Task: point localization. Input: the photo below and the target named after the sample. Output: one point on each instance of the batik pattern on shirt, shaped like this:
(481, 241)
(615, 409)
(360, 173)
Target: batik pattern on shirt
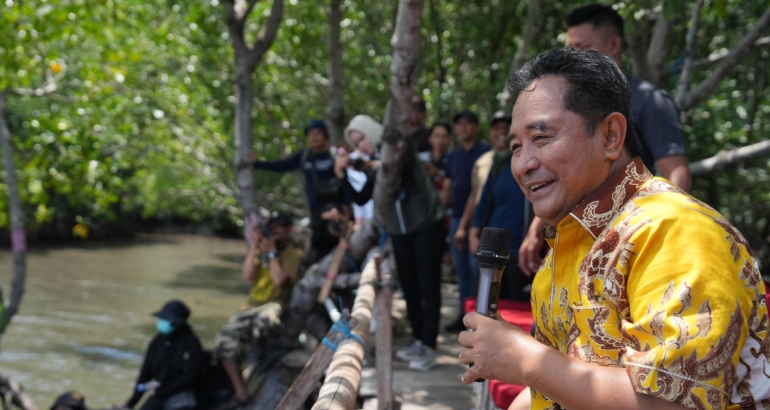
(645, 277)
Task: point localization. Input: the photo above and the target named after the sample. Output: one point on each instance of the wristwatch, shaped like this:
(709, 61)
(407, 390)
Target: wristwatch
(271, 255)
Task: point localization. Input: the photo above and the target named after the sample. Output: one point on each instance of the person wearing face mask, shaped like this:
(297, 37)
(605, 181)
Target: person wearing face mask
(416, 228)
(172, 365)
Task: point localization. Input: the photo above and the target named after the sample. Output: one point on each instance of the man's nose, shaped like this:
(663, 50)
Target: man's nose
(524, 161)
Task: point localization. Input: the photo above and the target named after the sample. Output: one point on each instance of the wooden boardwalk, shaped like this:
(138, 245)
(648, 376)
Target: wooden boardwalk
(438, 389)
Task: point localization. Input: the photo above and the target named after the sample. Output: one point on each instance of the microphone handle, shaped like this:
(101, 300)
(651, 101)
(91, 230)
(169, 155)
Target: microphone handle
(488, 295)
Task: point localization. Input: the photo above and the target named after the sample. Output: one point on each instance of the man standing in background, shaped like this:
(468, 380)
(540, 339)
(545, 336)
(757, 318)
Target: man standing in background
(456, 190)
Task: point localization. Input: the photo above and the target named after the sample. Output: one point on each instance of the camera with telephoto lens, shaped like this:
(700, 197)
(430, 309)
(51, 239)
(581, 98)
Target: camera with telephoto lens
(336, 226)
(265, 231)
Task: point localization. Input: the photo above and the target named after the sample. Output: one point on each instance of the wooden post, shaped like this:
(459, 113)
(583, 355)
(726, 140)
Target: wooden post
(340, 388)
(382, 308)
(315, 367)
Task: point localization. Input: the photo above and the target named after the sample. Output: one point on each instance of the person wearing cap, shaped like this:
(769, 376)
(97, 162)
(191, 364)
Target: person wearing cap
(317, 163)
(420, 134)
(654, 115)
(416, 228)
(456, 191)
(70, 400)
(365, 134)
(272, 266)
(174, 362)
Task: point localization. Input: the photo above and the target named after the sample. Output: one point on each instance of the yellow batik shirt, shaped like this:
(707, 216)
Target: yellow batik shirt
(643, 276)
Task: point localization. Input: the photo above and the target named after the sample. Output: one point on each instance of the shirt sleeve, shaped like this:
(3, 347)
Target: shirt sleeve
(691, 289)
(291, 163)
(660, 125)
(481, 207)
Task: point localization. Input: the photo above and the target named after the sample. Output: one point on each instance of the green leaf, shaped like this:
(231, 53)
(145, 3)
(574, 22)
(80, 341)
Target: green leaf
(720, 6)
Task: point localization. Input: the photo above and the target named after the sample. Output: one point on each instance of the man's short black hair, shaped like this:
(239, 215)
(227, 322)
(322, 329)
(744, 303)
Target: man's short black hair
(598, 15)
(595, 86)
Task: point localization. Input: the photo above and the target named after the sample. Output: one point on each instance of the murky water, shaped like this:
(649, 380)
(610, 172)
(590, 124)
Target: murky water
(85, 318)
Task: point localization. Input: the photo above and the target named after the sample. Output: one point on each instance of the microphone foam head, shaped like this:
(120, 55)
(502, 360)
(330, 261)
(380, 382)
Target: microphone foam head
(494, 247)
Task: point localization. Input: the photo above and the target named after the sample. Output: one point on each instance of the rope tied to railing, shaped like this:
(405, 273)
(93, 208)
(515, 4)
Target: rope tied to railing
(343, 327)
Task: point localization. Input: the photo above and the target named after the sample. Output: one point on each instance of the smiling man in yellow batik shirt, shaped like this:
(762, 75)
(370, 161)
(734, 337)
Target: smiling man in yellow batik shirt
(648, 299)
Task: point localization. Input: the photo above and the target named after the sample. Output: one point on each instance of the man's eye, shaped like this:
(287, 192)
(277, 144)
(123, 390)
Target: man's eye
(515, 147)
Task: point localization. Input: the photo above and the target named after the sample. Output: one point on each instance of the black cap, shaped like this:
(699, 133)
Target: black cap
(280, 218)
(174, 311)
(501, 116)
(318, 124)
(468, 115)
(72, 400)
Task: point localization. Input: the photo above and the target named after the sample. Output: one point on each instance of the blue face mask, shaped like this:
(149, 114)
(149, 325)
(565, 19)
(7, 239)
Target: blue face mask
(164, 326)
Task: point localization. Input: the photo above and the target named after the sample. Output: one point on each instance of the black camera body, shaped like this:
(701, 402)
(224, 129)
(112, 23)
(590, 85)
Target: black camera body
(358, 164)
(265, 230)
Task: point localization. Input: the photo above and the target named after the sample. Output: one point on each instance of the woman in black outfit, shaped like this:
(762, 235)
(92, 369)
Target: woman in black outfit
(415, 224)
(172, 365)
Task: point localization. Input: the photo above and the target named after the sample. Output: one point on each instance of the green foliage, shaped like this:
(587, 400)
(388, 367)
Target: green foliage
(141, 125)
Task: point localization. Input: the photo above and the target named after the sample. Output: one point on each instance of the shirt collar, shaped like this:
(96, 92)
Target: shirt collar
(601, 205)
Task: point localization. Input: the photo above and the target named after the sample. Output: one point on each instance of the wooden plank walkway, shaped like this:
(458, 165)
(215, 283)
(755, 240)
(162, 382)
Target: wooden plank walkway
(438, 389)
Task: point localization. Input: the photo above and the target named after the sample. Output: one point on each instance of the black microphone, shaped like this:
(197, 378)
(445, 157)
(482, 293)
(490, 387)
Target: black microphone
(494, 251)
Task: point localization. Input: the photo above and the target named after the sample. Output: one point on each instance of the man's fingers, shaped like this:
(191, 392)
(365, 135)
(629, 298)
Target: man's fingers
(471, 320)
(466, 356)
(470, 376)
(465, 338)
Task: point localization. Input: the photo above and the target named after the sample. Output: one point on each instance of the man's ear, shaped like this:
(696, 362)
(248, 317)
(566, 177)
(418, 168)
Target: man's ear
(616, 44)
(614, 129)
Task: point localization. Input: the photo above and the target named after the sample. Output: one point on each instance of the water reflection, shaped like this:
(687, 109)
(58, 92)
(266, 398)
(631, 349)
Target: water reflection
(84, 322)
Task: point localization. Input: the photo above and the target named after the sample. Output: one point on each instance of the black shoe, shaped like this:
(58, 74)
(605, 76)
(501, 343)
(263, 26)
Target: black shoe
(456, 326)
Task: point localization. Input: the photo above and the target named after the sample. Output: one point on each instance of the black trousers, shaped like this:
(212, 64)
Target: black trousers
(418, 260)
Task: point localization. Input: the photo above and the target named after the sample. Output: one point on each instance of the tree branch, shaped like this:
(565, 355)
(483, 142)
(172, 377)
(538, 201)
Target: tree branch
(521, 53)
(265, 39)
(235, 25)
(49, 87)
(720, 55)
(727, 158)
(692, 32)
(731, 60)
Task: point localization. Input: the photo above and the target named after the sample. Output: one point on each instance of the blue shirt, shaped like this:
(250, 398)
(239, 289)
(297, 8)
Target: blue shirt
(459, 164)
(316, 167)
(508, 210)
(656, 121)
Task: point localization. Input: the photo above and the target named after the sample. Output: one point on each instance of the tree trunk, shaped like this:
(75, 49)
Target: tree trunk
(18, 240)
(336, 113)
(521, 53)
(660, 45)
(727, 158)
(247, 58)
(637, 46)
(244, 96)
(406, 55)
